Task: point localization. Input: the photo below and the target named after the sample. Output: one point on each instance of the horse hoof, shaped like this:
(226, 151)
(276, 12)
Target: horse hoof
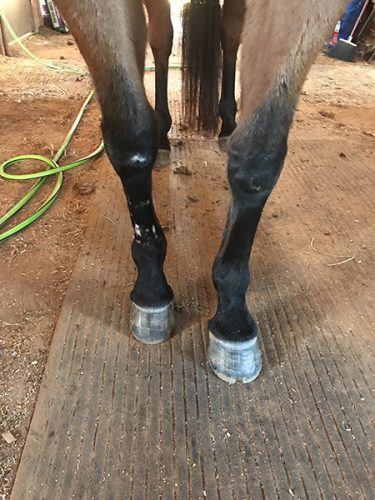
(152, 325)
(163, 158)
(223, 143)
(235, 361)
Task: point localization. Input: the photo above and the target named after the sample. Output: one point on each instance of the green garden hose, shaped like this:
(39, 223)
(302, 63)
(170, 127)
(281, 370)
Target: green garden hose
(52, 166)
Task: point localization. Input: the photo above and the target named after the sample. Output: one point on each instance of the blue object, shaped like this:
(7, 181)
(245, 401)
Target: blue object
(349, 18)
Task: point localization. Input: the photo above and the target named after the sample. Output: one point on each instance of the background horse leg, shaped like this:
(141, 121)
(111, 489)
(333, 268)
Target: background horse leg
(276, 58)
(111, 36)
(201, 64)
(161, 39)
(231, 28)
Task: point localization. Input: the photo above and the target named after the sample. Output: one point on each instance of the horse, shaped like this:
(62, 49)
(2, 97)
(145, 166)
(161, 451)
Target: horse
(211, 39)
(200, 115)
(279, 43)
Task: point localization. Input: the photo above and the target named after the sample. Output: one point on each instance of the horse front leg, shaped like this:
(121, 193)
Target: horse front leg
(275, 62)
(256, 154)
(132, 150)
(114, 49)
(161, 39)
(231, 28)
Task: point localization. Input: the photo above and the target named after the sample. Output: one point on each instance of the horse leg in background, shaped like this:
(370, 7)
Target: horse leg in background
(276, 58)
(111, 35)
(161, 39)
(231, 28)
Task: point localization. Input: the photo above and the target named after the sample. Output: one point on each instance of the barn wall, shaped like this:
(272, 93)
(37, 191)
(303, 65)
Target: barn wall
(21, 16)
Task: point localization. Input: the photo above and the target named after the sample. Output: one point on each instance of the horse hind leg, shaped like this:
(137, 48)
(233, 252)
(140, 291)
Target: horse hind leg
(276, 60)
(113, 45)
(231, 28)
(161, 39)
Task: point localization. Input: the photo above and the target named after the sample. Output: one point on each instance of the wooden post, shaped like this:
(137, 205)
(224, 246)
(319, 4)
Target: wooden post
(2, 48)
(38, 19)
(3, 45)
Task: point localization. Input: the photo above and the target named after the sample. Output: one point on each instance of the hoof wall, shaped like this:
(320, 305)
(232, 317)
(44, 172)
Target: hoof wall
(235, 361)
(163, 158)
(223, 143)
(152, 325)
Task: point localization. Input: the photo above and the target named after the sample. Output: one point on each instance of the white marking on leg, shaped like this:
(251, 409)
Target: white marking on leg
(252, 186)
(137, 230)
(138, 158)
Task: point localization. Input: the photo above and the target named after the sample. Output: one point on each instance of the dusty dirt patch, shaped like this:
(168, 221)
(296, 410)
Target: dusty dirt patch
(37, 108)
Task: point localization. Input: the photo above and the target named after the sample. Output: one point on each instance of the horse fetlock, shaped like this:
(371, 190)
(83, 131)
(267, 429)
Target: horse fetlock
(232, 320)
(224, 142)
(151, 287)
(227, 108)
(227, 112)
(165, 120)
(227, 128)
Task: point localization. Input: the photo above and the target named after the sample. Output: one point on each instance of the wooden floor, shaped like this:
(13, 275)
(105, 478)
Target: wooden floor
(118, 419)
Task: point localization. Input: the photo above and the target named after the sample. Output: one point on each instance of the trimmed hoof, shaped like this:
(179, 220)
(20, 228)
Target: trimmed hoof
(152, 325)
(223, 142)
(235, 361)
(163, 158)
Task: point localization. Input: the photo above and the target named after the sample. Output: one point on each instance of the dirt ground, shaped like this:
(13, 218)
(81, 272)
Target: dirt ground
(37, 107)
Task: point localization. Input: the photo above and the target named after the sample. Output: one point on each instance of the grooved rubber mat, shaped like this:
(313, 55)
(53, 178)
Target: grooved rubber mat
(116, 419)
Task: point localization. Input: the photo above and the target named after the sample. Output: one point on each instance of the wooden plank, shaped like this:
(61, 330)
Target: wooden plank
(2, 42)
(38, 19)
(117, 418)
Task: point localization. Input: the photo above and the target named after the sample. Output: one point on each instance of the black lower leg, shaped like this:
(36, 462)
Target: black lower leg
(231, 28)
(132, 148)
(161, 40)
(228, 105)
(256, 156)
(231, 275)
(161, 101)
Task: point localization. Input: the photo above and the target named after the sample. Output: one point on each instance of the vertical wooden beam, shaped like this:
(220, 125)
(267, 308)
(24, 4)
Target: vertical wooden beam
(3, 45)
(38, 19)
(2, 48)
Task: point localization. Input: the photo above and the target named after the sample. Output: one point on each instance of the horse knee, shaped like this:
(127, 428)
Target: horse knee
(230, 41)
(255, 173)
(131, 147)
(258, 148)
(161, 40)
(232, 24)
(162, 48)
